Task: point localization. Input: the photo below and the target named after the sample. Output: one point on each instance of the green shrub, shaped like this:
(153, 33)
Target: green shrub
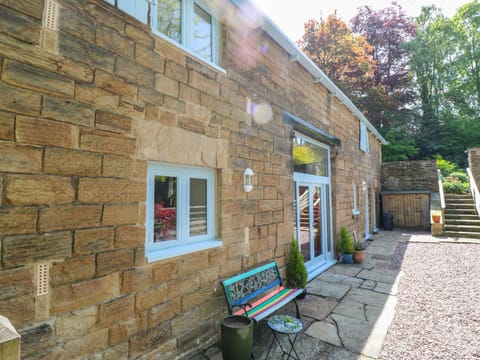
(446, 167)
(456, 187)
(296, 270)
(460, 176)
(346, 244)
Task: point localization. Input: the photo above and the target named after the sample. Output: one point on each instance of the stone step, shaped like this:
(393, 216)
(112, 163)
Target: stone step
(462, 221)
(459, 210)
(459, 202)
(462, 228)
(457, 196)
(462, 215)
(460, 234)
(470, 205)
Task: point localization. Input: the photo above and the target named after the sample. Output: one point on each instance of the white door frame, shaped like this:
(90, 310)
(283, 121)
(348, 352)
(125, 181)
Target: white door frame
(317, 265)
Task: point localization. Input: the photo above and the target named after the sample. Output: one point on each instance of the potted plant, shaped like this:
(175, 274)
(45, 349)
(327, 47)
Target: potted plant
(346, 246)
(296, 270)
(359, 254)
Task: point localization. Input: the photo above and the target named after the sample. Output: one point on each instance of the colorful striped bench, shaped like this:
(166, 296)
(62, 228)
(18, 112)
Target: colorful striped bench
(258, 292)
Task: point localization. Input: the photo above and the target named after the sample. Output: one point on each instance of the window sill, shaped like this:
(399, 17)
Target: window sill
(166, 253)
(190, 53)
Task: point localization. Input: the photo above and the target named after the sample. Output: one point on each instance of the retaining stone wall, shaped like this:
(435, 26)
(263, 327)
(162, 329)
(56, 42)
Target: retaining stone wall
(410, 175)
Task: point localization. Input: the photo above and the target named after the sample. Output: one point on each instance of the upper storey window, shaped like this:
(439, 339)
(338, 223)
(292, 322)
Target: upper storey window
(189, 23)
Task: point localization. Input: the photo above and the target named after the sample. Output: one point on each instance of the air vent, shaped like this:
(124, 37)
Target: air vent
(42, 279)
(50, 19)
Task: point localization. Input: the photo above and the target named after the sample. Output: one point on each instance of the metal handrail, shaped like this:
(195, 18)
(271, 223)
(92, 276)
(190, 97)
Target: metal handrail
(474, 191)
(440, 189)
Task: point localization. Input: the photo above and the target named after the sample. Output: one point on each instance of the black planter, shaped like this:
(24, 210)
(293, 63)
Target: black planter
(237, 337)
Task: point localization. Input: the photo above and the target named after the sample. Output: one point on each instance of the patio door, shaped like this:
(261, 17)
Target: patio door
(313, 220)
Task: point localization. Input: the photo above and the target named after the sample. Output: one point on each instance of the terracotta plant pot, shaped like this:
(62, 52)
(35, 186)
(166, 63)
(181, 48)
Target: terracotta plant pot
(359, 256)
(436, 219)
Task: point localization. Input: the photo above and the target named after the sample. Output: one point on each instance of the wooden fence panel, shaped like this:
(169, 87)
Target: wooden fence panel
(409, 210)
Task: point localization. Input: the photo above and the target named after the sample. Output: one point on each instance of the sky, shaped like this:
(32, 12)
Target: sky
(291, 15)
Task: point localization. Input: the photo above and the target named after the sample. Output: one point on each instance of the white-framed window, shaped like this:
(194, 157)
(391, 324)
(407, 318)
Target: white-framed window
(364, 143)
(180, 210)
(189, 23)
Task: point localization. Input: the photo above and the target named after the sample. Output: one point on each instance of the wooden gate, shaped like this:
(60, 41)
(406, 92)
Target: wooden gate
(410, 209)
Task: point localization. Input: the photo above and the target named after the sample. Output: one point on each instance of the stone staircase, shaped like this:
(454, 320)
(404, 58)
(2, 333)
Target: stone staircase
(461, 219)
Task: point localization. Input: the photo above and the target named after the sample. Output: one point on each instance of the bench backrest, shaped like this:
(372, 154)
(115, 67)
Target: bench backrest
(250, 285)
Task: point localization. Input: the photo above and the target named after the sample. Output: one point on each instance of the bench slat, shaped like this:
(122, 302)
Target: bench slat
(256, 293)
(270, 303)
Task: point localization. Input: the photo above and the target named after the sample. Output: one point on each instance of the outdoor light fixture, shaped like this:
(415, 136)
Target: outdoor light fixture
(364, 185)
(248, 180)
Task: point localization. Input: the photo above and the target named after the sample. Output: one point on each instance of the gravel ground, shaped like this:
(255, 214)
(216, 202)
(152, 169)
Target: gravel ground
(438, 311)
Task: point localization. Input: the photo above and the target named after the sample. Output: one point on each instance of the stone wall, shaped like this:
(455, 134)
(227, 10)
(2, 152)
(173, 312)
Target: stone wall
(410, 175)
(474, 163)
(82, 110)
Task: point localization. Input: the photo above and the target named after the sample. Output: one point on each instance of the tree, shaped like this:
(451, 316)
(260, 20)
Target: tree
(445, 62)
(343, 56)
(386, 30)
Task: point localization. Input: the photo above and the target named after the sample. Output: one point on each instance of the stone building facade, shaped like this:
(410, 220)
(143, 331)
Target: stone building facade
(101, 118)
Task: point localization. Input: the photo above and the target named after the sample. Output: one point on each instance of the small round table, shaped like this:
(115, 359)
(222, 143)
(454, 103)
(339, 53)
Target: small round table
(287, 325)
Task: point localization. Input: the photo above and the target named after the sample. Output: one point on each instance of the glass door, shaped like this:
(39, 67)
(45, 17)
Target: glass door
(313, 222)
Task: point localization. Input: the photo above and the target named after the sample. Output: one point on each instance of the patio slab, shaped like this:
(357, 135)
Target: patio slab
(368, 297)
(325, 331)
(340, 279)
(316, 308)
(328, 289)
(384, 276)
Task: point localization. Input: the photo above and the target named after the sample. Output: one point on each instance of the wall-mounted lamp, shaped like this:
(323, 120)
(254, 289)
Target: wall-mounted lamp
(248, 180)
(364, 185)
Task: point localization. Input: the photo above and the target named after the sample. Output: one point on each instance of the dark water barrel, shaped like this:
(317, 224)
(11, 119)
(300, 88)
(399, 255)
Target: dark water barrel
(387, 221)
(237, 337)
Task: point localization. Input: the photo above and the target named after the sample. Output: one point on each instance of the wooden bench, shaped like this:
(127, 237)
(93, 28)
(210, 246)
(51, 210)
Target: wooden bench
(258, 293)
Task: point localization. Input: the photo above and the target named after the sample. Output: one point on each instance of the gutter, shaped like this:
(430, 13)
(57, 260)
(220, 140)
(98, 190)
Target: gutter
(299, 56)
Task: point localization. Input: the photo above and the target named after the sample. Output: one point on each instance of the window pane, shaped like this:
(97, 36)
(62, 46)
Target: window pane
(309, 158)
(165, 211)
(198, 207)
(169, 19)
(202, 33)
(317, 222)
(303, 203)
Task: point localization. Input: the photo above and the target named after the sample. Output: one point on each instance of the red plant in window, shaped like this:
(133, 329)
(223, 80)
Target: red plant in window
(164, 219)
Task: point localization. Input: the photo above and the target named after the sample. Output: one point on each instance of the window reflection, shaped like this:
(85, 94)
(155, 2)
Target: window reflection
(202, 33)
(165, 208)
(169, 17)
(198, 207)
(309, 158)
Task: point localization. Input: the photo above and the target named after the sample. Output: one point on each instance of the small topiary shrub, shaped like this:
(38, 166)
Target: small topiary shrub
(296, 270)
(346, 244)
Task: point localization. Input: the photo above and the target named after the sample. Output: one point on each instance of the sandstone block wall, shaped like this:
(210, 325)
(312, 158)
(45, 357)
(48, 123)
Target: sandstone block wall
(82, 111)
(410, 175)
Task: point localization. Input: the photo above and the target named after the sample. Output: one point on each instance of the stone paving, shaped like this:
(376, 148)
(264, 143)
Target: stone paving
(349, 308)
